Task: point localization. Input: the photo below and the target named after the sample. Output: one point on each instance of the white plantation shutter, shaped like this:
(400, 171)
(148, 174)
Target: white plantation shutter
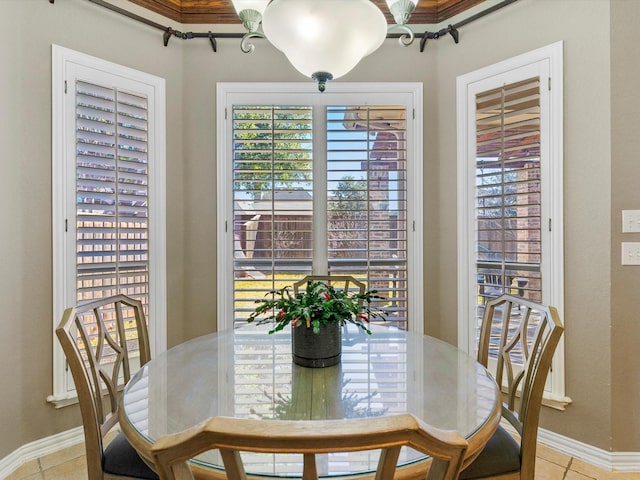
(279, 230)
(508, 191)
(273, 196)
(112, 227)
(508, 200)
(112, 193)
(367, 200)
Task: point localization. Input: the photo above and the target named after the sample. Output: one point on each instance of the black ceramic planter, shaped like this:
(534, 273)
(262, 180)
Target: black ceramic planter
(317, 350)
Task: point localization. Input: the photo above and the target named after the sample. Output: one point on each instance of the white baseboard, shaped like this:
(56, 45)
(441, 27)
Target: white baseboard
(612, 461)
(40, 448)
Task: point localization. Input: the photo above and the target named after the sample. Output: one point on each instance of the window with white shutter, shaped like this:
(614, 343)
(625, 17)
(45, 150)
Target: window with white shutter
(108, 194)
(316, 184)
(319, 185)
(510, 226)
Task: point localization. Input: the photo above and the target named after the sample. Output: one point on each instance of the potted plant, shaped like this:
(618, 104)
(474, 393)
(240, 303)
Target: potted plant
(316, 314)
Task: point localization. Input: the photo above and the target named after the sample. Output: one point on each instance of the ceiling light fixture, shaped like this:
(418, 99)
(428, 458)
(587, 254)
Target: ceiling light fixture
(323, 39)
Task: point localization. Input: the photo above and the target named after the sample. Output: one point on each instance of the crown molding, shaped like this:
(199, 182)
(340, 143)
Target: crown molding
(222, 11)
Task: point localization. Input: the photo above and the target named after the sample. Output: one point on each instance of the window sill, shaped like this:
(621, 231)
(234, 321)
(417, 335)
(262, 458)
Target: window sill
(548, 400)
(557, 403)
(60, 401)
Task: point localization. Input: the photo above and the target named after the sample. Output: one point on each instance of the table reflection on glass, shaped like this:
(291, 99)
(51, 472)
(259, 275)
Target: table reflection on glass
(248, 373)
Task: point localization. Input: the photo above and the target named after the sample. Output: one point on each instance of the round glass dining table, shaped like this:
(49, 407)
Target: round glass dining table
(248, 373)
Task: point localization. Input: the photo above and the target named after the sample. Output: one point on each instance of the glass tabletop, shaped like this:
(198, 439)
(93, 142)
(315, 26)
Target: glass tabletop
(248, 373)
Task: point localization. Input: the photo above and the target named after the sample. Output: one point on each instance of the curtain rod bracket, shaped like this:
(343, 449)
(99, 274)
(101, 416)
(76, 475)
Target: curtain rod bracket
(167, 35)
(423, 42)
(453, 31)
(212, 39)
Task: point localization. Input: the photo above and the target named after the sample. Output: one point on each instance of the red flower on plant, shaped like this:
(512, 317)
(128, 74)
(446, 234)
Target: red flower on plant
(318, 304)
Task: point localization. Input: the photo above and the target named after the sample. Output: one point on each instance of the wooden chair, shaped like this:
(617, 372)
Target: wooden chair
(524, 336)
(231, 436)
(491, 285)
(95, 338)
(343, 282)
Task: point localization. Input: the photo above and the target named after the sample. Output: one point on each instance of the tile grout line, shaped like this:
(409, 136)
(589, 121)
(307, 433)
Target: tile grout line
(40, 469)
(568, 468)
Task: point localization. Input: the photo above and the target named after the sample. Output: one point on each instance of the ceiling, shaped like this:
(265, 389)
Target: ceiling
(221, 11)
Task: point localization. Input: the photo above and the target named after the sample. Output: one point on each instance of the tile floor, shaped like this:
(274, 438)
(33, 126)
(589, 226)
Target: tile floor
(69, 464)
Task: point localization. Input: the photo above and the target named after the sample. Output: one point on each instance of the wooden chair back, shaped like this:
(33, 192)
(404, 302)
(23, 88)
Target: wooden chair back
(523, 337)
(104, 341)
(342, 282)
(231, 436)
(338, 282)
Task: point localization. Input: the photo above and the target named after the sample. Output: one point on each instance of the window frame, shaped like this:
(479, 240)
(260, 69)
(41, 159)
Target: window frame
(547, 60)
(228, 94)
(65, 63)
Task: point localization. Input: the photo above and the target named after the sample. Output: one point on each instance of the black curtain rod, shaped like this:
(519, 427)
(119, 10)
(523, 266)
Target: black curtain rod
(453, 29)
(168, 32)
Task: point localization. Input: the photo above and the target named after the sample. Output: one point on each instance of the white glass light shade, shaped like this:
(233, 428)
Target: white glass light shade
(391, 2)
(329, 36)
(257, 5)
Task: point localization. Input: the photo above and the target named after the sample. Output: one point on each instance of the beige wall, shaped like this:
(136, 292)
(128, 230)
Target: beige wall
(27, 30)
(520, 27)
(625, 195)
(203, 70)
(191, 69)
